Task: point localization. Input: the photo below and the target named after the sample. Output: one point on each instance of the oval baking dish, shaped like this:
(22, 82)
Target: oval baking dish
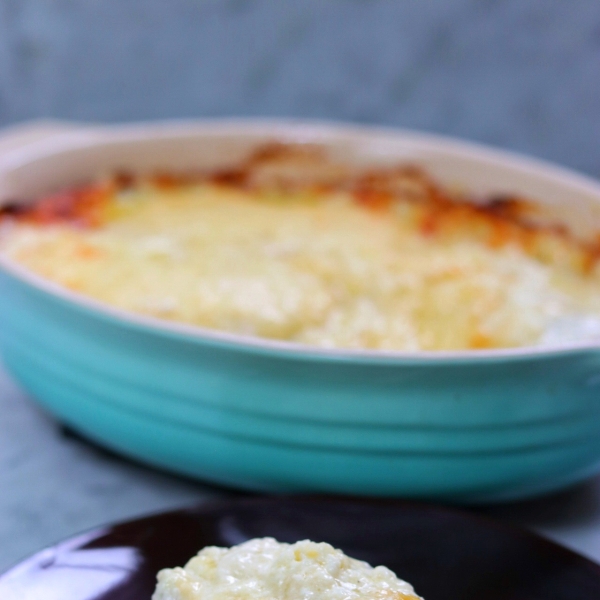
(468, 426)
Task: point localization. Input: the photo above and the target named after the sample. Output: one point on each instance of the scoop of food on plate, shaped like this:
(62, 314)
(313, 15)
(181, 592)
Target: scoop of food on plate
(263, 569)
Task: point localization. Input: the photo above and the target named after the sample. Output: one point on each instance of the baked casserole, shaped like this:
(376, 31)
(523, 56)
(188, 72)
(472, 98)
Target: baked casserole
(265, 569)
(293, 245)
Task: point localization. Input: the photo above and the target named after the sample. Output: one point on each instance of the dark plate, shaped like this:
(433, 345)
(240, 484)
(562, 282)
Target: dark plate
(446, 554)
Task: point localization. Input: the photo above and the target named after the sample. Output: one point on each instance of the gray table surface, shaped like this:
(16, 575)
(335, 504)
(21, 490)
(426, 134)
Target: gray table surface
(54, 485)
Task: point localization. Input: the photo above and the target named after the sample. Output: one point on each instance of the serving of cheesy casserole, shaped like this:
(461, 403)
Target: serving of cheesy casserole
(290, 245)
(264, 569)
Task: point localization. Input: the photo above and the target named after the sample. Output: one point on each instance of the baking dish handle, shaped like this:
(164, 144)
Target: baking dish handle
(14, 137)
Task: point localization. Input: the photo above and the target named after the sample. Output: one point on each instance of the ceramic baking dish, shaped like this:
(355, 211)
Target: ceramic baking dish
(469, 426)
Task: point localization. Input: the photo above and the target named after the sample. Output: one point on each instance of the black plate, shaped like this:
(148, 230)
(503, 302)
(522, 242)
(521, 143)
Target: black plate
(446, 554)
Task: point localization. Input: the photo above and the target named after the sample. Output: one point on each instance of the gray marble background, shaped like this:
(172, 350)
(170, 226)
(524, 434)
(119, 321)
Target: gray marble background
(522, 74)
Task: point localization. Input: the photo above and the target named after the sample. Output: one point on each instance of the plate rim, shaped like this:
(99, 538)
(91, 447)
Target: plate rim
(214, 505)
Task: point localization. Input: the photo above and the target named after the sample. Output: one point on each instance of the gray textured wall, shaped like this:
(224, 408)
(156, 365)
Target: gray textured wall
(523, 74)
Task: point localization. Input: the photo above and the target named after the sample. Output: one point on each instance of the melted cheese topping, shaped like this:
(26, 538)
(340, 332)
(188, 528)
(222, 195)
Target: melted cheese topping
(323, 265)
(264, 569)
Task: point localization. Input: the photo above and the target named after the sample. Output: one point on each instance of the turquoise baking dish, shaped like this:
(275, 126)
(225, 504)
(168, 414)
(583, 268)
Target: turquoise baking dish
(473, 426)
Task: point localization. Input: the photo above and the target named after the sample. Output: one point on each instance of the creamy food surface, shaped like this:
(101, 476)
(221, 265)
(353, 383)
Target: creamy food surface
(293, 247)
(264, 569)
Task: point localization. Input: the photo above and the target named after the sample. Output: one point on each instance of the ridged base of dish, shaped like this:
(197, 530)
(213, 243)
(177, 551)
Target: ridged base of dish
(242, 462)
